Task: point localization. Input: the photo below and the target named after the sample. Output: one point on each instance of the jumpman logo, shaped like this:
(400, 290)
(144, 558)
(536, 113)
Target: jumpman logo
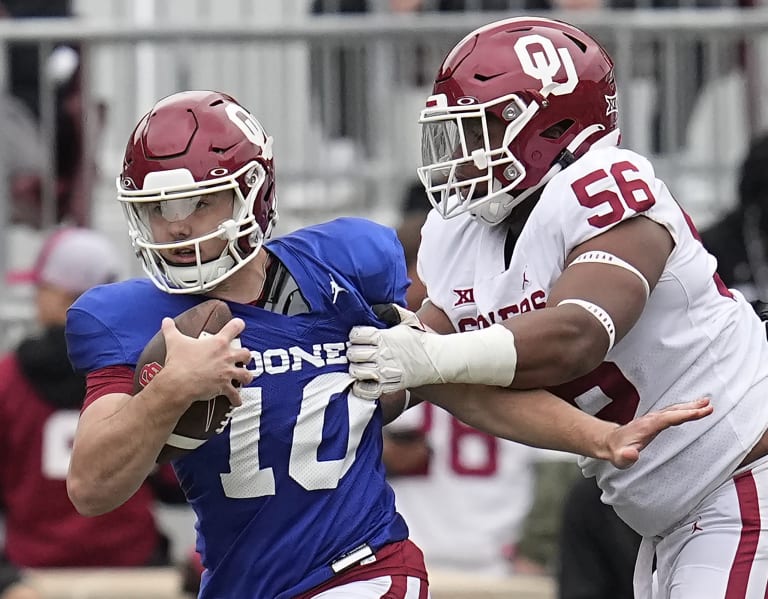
(526, 280)
(335, 288)
(695, 526)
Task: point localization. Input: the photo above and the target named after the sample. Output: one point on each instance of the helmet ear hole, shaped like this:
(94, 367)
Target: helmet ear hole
(557, 130)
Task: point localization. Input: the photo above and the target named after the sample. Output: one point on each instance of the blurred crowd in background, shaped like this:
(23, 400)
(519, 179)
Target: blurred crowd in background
(474, 503)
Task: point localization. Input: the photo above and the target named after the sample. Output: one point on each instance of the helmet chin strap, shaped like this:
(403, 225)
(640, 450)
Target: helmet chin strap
(497, 210)
(194, 275)
(199, 276)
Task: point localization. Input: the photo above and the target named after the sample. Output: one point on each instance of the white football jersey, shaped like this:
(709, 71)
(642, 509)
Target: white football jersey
(467, 509)
(694, 337)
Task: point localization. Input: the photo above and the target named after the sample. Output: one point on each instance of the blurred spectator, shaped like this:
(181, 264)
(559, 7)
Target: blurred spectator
(739, 241)
(597, 549)
(40, 399)
(23, 161)
(24, 57)
(73, 174)
(465, 494)
(62, 68)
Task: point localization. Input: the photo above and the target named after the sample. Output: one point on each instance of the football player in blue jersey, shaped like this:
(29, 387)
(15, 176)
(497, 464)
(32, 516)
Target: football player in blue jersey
(291, 498)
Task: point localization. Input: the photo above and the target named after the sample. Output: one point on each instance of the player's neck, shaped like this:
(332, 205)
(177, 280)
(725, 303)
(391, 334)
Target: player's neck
(246, 284)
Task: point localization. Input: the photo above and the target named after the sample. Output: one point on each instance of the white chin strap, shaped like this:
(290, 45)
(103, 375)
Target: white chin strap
(497, 209)
(194, 276)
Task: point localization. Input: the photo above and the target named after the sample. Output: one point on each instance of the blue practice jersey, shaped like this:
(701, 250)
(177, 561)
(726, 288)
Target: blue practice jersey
(296, 479)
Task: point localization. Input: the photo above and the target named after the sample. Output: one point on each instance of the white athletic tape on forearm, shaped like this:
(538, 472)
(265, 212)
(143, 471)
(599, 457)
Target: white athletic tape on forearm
(606, 258)
(486, 356)
(602, 317)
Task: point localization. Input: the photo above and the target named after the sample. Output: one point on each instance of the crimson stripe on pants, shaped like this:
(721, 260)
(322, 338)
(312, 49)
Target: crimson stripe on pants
(746, 492)
(397, 589)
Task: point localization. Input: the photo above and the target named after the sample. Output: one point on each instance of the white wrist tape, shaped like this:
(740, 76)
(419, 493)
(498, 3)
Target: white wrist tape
(602, 317)
(486, 356)
(606, 258)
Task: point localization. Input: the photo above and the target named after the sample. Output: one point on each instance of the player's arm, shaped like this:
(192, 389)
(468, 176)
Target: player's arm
(540, 419)
(592, 305)
(117, 442)
(119, 436)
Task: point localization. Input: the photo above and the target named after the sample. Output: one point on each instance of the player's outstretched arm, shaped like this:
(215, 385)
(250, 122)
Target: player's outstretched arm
(119, 436)
(540, 419)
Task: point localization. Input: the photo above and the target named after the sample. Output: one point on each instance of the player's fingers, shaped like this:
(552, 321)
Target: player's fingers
(682, 415)
(364, 372)
(639, 433)
(168, 326)
(368, 390)
(364, 335)
(362, 353)
(232, 329)
(702, 402)
(242, 356)
(685, 412)
(627, 457)
(242, 376)
(233, 395)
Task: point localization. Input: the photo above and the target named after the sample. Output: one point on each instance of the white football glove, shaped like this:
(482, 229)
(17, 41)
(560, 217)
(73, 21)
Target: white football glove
(409, 355)
(389, 360)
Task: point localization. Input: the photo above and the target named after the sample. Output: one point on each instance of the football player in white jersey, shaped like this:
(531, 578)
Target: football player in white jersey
(554, 258)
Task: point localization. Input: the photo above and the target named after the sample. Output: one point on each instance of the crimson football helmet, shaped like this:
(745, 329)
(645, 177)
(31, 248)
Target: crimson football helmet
(513, 103)
(189, 145)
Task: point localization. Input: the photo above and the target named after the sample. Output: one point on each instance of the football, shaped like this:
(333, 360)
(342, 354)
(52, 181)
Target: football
(203, 419)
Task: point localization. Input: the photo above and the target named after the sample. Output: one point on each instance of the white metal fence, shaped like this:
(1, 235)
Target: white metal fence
(341, 94)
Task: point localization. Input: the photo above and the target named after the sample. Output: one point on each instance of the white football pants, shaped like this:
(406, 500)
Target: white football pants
(721, 549)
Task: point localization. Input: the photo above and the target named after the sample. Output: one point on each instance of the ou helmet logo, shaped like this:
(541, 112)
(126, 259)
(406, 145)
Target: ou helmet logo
(250, 127)
(544, 63)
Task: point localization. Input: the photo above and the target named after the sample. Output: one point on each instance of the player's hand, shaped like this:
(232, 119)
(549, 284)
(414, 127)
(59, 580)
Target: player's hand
(390, 360)
(210, 365)
(624, 443)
